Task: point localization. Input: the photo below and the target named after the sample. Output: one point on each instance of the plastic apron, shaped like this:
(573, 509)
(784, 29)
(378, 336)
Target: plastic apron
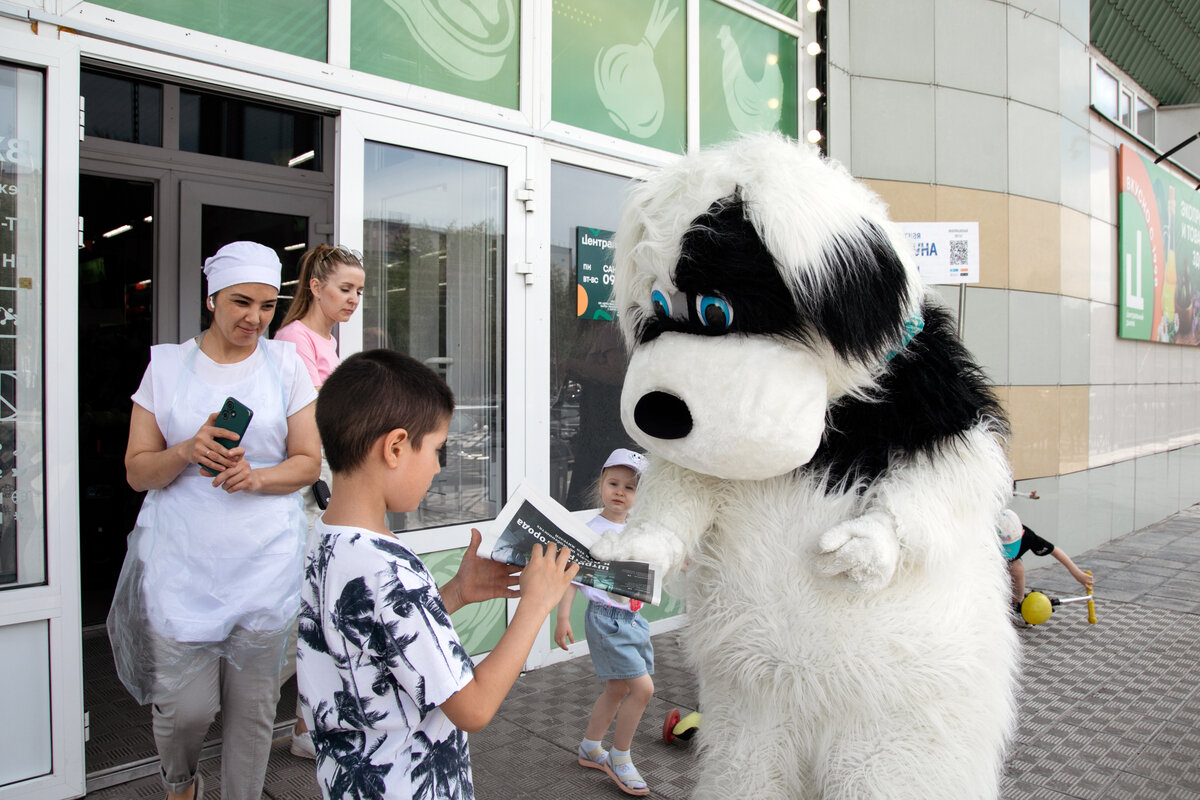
(209, 573)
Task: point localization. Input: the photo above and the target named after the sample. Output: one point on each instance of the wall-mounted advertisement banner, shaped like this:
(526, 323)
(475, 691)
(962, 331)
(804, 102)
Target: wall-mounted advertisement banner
(945, 252)
(594, 273)
(1158, 221)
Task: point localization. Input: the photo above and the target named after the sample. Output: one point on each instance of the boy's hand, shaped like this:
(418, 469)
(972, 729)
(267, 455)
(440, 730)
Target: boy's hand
(479, 579)
(546, 576)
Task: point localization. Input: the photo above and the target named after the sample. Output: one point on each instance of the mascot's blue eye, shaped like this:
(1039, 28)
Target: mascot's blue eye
(661, 303)
(714, 312)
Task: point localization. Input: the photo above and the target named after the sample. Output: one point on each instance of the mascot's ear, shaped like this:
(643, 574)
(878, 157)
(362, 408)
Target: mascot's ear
(859, 300)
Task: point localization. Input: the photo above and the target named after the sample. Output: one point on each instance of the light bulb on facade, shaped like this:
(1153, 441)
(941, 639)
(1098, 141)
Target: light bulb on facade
(814, 5)
(814, 94)
(814, 136)
(814, 48)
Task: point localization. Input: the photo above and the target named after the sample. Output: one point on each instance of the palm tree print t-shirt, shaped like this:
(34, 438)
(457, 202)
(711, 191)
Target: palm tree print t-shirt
(377, 656)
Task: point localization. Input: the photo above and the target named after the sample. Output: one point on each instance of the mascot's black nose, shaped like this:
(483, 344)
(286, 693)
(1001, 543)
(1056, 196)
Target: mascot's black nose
(663, 416)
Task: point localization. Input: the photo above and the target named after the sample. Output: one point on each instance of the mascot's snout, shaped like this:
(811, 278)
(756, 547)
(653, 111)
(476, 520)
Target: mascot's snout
(737, 407)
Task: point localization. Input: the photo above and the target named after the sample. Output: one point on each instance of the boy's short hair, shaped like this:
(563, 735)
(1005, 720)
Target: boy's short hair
(375, 392)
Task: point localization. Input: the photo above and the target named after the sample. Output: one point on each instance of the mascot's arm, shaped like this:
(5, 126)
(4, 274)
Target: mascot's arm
(674, 507)
(861, 553)
(923, 511)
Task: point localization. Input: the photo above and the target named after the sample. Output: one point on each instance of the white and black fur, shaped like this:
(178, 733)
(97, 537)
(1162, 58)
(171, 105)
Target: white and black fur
(827, 473)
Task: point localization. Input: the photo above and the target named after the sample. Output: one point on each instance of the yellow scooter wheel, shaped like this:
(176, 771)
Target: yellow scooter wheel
(1036, 608)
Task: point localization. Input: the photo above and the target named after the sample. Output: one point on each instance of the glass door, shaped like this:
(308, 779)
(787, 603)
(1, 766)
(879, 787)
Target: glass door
(214, 214)
(436, 216)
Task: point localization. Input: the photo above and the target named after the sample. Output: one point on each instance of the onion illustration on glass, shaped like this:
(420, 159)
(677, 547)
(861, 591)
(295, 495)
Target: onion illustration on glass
(753, 105)
(470, 38)
(628, 81)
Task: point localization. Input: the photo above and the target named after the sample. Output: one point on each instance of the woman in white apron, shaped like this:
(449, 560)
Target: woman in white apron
(210, 586)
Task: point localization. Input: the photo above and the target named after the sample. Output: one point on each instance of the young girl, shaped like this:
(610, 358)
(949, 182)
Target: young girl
(329, 290)
(618, 638)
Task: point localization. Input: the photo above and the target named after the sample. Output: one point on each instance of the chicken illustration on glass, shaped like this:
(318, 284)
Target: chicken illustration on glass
(753, 104)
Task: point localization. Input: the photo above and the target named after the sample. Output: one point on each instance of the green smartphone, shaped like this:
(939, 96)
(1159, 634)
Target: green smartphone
(235, 417)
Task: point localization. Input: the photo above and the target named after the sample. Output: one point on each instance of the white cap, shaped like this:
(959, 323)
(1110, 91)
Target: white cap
(1008, 527)
(242, 262)
(626, 458)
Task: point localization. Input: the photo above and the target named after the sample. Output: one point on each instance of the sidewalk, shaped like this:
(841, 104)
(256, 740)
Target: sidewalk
(1108, 712)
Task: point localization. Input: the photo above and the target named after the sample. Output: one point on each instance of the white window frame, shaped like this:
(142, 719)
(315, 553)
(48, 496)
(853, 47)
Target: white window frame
(56, 52)
(1128, 92)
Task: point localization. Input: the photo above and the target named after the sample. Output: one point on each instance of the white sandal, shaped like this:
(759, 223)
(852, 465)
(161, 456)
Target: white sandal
(630, 782)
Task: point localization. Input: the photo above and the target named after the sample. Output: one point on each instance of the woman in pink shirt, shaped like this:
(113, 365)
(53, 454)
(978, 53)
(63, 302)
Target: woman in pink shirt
(328, 292)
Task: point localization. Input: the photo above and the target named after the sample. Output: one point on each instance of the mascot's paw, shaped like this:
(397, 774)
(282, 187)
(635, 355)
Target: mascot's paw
(646, 543)
(861, 552)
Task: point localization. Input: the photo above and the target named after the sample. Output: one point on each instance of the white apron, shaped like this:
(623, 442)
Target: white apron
(208, 570)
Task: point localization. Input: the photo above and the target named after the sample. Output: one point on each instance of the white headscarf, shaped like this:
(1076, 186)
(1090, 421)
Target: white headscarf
(242, 262)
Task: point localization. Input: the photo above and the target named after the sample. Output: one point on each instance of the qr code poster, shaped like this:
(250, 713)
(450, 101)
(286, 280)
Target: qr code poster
(946, 252)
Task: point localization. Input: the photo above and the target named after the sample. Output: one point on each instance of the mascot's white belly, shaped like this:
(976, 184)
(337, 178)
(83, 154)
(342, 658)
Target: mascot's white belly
(825, 469)
(810, 692)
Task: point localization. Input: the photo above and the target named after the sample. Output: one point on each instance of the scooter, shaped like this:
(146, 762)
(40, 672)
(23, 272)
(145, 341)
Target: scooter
(1037, 607)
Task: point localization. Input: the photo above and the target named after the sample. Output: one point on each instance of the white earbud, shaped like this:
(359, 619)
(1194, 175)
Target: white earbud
(211, 307)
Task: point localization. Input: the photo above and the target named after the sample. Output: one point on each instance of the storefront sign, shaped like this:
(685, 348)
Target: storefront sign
(594, 273)
(1159, 230)
(946, 252)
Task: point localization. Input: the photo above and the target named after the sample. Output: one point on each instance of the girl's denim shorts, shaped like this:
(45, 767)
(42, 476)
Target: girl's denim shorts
(619, 642)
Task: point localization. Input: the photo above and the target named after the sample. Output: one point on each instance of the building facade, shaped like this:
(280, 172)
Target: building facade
(477, 157)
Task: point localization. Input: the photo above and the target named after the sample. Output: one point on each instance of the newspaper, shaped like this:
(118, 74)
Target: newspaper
(530, 516)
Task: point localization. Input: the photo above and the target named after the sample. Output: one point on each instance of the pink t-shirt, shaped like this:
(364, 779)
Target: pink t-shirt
(318, 353)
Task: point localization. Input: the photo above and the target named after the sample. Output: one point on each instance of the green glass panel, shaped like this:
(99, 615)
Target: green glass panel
(299, 27)
(619, 69)
(479, 625)
(470, 48)
(785, 7)
(747, 76)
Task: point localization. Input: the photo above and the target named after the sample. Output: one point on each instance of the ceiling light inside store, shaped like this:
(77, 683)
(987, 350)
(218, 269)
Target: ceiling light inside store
(300, 159)
(118, 231)
(297, 246)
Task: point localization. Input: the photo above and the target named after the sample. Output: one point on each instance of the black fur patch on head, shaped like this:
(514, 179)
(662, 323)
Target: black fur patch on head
(722, 256)
(855, 299)
(858, 299)
(933, 392)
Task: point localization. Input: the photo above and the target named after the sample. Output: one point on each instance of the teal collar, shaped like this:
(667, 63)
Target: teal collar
(912, 326)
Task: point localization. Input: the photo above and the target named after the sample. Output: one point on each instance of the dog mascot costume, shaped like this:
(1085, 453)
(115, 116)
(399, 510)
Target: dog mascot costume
(825, 467)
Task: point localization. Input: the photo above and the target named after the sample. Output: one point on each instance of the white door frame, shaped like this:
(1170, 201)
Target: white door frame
(57, 601)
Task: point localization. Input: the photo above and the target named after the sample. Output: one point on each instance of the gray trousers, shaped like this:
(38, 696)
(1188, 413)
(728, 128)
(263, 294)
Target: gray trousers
(247, 700)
